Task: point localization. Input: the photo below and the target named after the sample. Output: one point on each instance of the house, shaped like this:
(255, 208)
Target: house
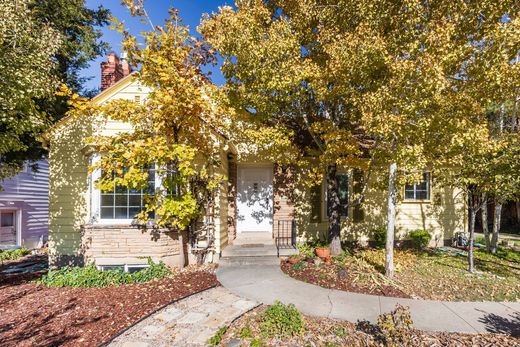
(24, 208)
(258, 198)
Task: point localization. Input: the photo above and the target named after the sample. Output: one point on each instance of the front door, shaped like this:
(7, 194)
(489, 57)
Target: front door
(8, 228)
(254, 199)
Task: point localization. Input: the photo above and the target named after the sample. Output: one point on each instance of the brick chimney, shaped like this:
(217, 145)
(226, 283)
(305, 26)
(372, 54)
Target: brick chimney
(113, 70)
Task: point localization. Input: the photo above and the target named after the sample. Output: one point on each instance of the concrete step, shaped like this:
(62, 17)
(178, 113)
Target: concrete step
(254, 238)
(253, 250)
(248, 260)
(256, 250)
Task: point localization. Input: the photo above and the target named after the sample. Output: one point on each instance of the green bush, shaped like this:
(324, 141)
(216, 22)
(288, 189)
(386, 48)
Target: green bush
(380, 236)
(280, 320)
(299, 266)
(306, 250)
(90, 277)
(344, 255)
(12, 254)
(420, 238)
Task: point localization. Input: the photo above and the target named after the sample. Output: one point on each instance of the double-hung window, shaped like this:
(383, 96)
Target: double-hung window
(420, 190)
(123, 203)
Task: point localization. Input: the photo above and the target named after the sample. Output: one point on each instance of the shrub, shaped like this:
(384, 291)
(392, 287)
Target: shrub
(396, 326)
(342, 257)
(299, 266)
(420, 238)
(246, 332)
(280, 320)
(90, 277)
(12, 254)
(306, 250)
(380, 236)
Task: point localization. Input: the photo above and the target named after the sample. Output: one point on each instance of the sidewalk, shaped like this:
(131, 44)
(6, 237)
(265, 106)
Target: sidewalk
(266, 283)
(188, 322)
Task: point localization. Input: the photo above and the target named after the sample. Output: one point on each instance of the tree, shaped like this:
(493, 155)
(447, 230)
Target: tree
(81, 42)
(174, 131)
(398, 83)
(26, 75)
(56, 39)
(280, 61)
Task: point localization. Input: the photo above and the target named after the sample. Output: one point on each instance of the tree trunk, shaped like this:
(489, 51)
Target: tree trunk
(333, 211)
(496, 227)
(485, 228)
(518, 212)
(473, 216)
(390, 231)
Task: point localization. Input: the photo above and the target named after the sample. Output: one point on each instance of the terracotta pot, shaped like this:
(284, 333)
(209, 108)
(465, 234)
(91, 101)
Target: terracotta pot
(322, 252)
(293, 260)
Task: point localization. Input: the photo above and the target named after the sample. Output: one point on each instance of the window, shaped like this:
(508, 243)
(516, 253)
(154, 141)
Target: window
(418, 191)
(122, 268)
(7, 219)
(124, 203)
(342, 182)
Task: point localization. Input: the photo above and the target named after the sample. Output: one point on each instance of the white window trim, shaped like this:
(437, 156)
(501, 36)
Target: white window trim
(124, 266)
(429, 190)
(17, 224)
(95, 212)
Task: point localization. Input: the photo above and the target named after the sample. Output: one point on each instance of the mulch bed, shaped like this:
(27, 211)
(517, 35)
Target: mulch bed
(330, 332)
(327, 276)
(35, 315)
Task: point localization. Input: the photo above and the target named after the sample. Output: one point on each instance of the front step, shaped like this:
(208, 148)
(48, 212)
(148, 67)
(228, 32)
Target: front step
(248, 260)
(254, 238)
(256, 250)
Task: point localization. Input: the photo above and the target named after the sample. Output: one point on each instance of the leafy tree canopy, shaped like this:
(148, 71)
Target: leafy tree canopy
(44, 43)
(175, 129)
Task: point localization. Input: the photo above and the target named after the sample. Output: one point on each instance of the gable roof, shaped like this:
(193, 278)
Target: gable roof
(103, 96)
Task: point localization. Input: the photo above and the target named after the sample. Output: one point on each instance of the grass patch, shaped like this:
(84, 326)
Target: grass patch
(13, 254)
(217, 338)
(90, 277)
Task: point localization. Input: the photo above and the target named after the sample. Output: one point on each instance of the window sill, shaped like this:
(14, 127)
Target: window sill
(411, 201)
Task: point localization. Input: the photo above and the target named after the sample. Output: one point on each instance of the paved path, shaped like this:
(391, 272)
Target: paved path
(188, 322)
(266, 283)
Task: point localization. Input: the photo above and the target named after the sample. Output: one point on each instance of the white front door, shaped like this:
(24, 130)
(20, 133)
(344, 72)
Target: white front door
(254, 199)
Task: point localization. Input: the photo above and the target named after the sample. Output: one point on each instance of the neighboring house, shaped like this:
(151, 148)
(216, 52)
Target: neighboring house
(259, 197)
(24, 208)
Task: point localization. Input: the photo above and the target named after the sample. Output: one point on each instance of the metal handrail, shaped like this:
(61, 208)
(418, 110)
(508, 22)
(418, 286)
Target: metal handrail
(285, 235)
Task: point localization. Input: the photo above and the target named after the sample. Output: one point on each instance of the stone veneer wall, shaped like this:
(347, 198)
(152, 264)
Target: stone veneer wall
(123, 244)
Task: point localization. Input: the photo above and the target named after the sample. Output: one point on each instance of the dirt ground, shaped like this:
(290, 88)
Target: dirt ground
(35, 315)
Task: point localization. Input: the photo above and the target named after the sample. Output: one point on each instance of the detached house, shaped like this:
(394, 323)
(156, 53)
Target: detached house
(24, 208)
(259, 199)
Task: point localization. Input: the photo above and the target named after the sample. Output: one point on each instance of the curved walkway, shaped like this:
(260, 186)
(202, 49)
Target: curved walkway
(265, 282)
(189, 322)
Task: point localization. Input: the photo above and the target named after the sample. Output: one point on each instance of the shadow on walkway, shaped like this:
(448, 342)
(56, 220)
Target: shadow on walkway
(502, 325)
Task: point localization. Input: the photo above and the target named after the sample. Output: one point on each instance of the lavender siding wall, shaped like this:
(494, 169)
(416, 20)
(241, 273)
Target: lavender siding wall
(28, 192)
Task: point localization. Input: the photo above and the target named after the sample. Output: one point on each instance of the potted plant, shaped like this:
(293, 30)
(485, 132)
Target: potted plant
(322, 250)
(294, 259)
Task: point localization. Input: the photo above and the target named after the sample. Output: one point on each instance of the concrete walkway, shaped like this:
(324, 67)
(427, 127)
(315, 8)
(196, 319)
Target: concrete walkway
(188, 322)
(262, 280)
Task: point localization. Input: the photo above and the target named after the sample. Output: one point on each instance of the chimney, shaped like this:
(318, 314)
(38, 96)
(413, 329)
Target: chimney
(113, 70)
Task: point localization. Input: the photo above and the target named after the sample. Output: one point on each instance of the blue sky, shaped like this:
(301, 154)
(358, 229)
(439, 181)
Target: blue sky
(190, 10)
